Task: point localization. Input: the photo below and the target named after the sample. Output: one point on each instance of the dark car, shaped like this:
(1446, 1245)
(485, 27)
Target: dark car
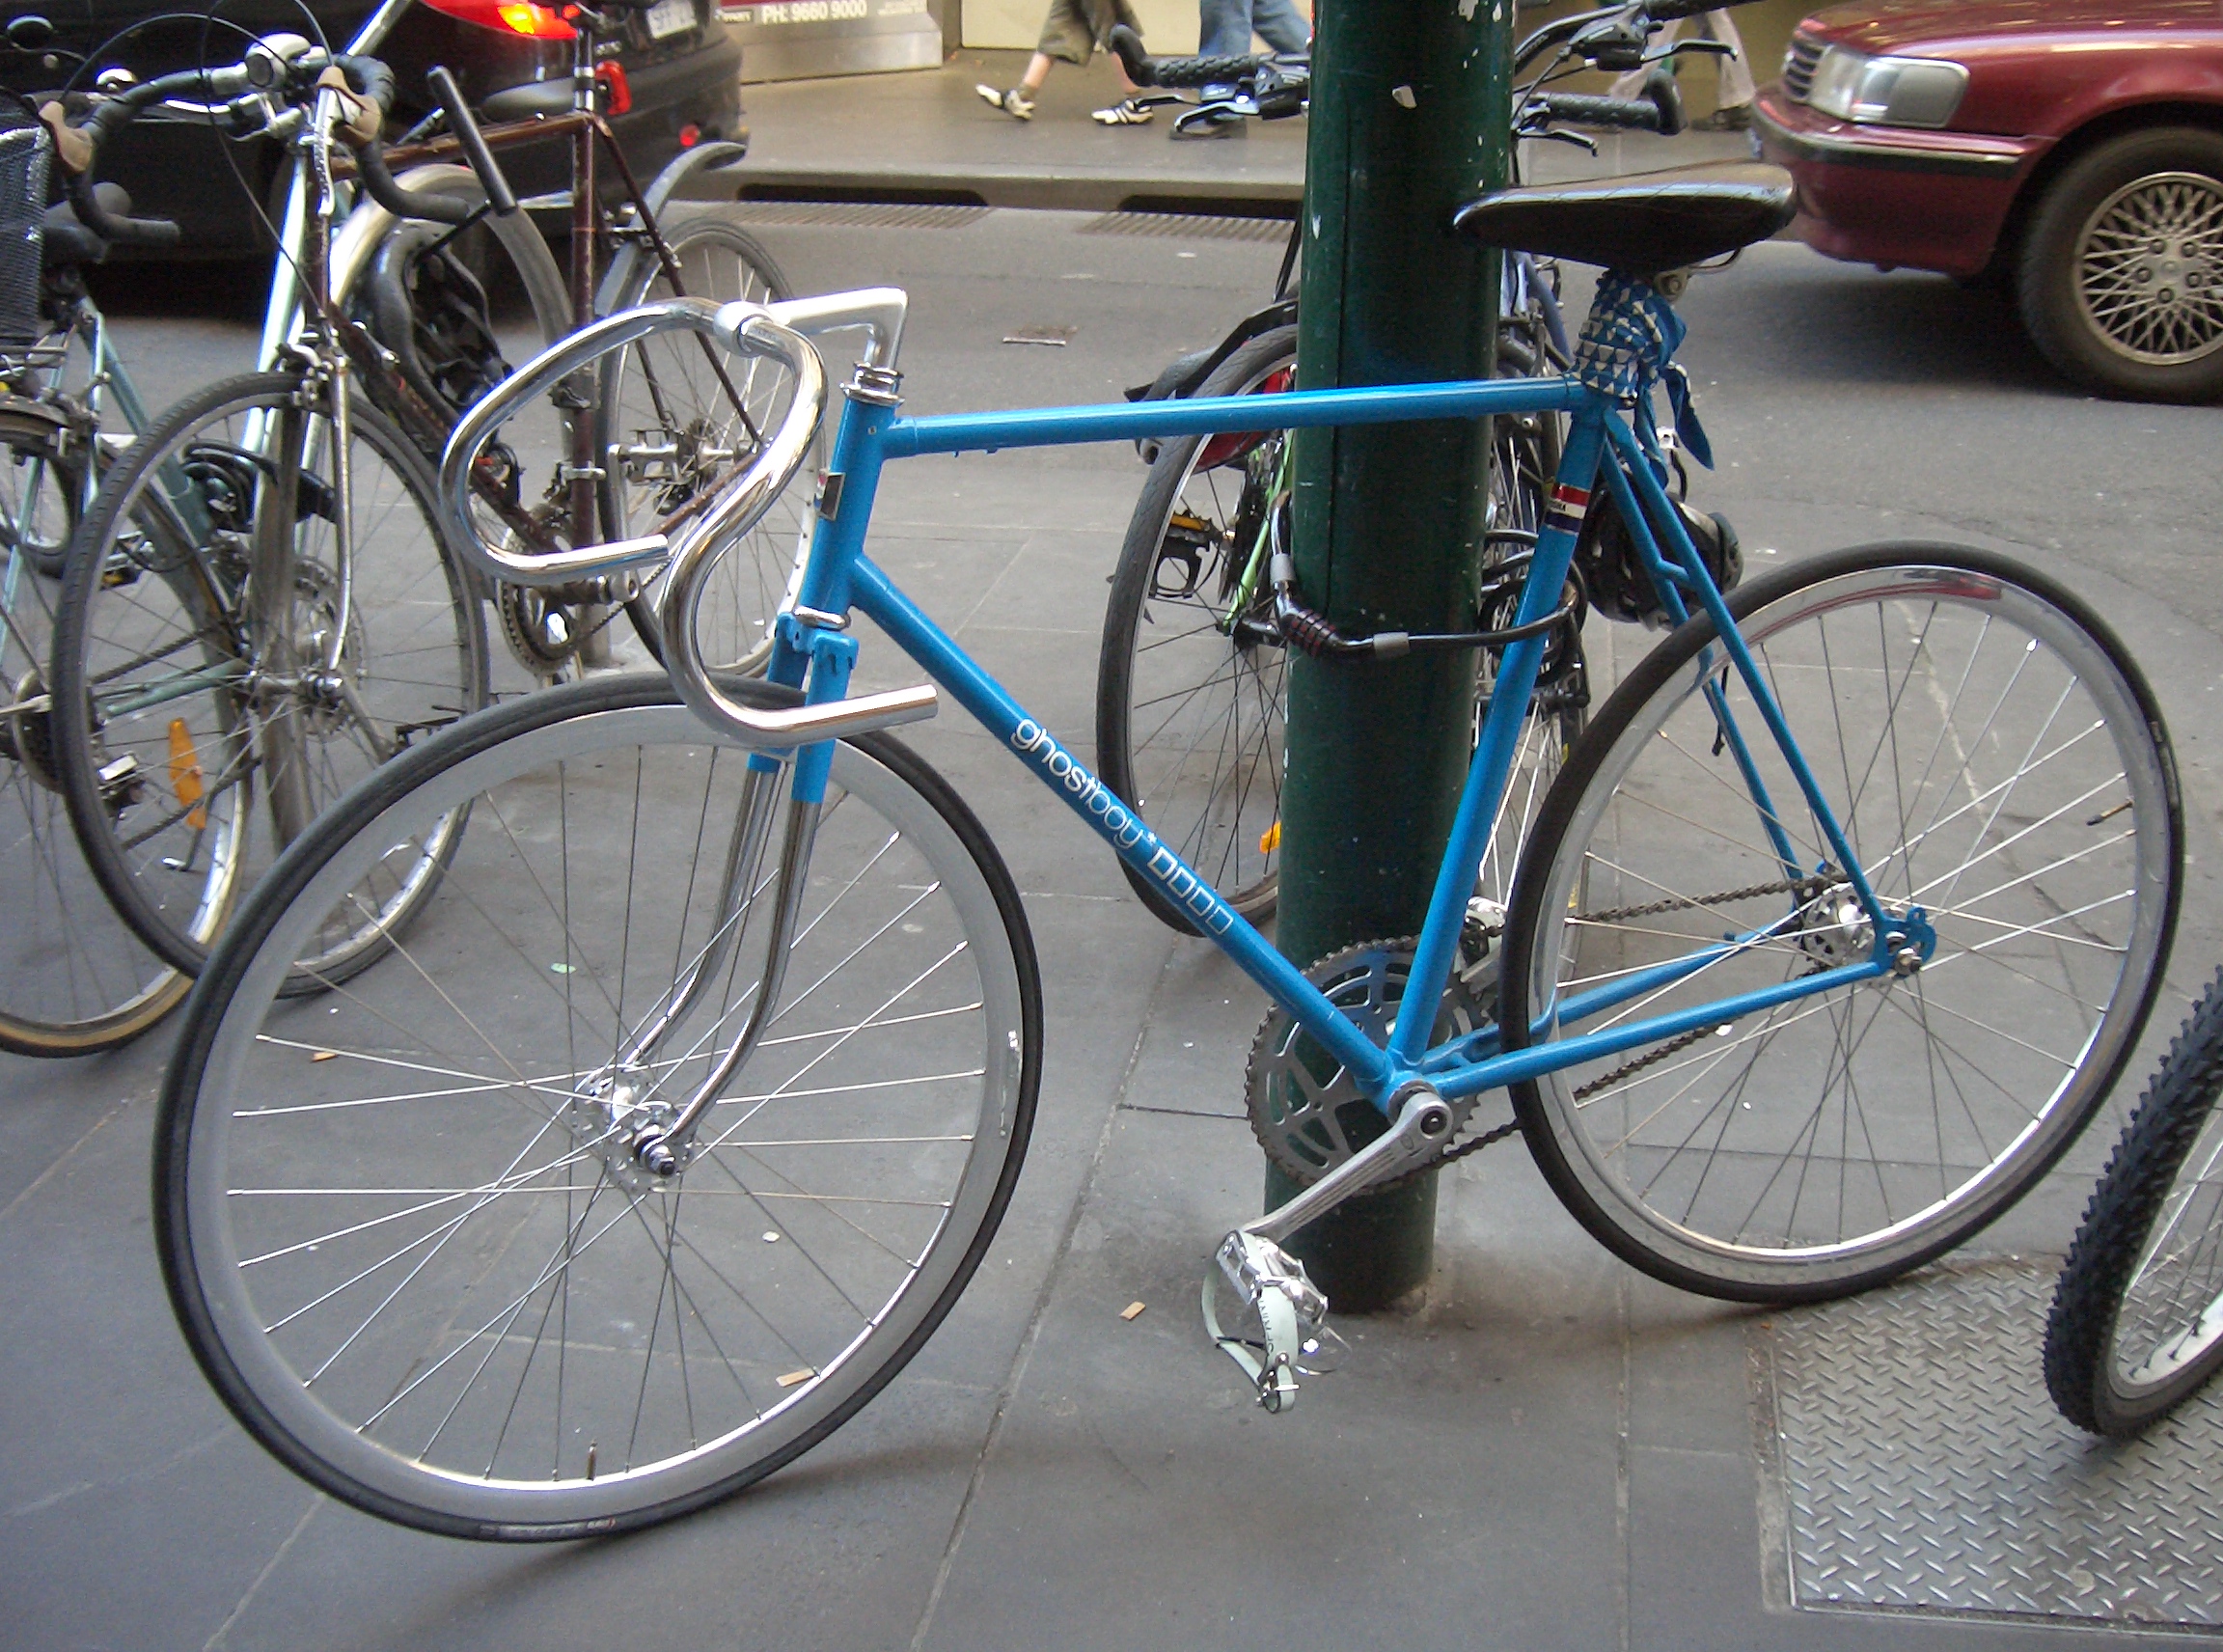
(674, 80)
(2069, 150)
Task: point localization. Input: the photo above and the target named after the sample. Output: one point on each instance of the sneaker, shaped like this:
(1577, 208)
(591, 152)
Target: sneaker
(1014, 103)
(1124, 112)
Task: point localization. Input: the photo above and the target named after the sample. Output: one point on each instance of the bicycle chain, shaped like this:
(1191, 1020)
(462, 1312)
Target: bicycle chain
(1806, 888)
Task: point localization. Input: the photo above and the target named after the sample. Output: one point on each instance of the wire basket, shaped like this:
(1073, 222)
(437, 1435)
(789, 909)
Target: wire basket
(23, 155)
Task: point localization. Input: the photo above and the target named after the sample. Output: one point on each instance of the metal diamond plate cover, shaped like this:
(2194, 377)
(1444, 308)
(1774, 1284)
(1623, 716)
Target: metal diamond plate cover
(1911, 1462)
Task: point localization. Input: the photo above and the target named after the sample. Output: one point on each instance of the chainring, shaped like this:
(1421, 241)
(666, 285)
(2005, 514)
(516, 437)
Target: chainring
(1305, 1109)
(543, 634)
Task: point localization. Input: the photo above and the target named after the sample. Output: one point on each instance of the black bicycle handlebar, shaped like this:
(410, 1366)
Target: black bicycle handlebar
(1144, 70)
(372, 82)
(1668, 10)
(1639, 18)
(1660, 110)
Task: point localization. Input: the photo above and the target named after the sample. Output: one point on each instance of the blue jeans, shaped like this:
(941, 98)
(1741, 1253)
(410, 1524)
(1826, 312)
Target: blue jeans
(1228, 25)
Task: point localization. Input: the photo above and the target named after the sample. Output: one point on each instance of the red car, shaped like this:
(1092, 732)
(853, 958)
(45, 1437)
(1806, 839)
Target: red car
(2072, 149)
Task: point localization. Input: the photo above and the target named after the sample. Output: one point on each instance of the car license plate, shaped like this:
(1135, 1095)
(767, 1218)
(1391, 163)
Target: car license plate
(671, 17)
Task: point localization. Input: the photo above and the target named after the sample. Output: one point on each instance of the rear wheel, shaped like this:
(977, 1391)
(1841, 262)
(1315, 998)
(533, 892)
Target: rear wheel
(197, 729)
(680, 416)
(1998, 768)
(1192, 683)
(1191, 688)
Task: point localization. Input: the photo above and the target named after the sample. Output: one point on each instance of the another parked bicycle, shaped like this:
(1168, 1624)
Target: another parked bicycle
(2137, 1321)
(74, 977)
(265, 607)
(674, 1127)
(1192, 683)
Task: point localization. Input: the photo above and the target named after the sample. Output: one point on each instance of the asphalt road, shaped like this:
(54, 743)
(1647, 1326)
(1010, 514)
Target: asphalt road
(1845, 406)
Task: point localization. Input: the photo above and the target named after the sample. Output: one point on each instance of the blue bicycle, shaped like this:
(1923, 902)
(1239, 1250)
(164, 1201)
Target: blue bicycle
(672, 1128)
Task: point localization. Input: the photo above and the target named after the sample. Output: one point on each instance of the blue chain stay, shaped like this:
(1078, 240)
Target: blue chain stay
(1627, 345)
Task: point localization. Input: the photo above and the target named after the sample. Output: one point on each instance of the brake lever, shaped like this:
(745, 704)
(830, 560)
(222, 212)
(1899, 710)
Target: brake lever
(1708, 48)
(1558, 135)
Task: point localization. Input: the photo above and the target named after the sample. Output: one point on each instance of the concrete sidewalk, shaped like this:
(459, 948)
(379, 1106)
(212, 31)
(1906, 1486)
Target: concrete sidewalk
(1545, 1450)
(927, 136)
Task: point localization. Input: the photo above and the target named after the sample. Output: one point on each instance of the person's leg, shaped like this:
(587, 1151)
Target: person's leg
(1737, 88)
(1282, 26)
(1223, 28)
(1065, 34)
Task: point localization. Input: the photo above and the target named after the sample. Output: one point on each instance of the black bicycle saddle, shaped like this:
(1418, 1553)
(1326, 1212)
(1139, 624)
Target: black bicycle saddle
(1644, 223)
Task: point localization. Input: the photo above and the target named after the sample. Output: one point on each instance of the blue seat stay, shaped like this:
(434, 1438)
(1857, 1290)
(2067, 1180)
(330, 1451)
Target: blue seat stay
(1670, 579)
(1632, 455)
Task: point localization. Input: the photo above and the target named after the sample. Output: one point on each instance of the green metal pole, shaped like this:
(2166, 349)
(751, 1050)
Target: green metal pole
(1410, 116)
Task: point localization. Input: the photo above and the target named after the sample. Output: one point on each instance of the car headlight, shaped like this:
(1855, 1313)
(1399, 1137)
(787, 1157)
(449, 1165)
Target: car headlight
(1886, 91)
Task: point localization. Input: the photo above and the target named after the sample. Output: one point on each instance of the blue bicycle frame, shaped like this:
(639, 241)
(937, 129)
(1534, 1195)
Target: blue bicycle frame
(1600, 441)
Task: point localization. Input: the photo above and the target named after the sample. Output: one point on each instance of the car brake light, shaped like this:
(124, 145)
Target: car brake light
(516, 17)
(690, 136)
(617, 96)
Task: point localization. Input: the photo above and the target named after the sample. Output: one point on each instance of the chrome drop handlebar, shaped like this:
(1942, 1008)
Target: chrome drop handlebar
(754, 329)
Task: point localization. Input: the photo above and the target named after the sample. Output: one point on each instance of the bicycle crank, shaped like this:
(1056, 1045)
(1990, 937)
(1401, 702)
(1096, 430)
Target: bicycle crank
(1287, 1330)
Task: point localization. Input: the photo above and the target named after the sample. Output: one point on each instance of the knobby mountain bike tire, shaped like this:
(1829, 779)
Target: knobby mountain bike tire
(1996, 758)
(670, 409)
(1192, 680)
(420, 1271)
(73, 977)
(2137, 1319)
(196, 732)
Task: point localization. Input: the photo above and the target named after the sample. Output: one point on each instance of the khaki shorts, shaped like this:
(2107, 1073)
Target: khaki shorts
(1075, 28)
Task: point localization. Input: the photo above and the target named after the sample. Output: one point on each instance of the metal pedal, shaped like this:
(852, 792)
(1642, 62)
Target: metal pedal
(1291, 1315)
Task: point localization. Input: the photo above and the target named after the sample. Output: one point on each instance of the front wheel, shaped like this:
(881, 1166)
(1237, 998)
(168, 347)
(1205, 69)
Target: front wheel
(2137, 1320)
(2000, 772)
(400, 1227)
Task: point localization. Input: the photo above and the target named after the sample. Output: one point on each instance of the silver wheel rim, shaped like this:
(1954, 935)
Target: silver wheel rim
(790, 1396)
(2149, 269)
(1641, 1137)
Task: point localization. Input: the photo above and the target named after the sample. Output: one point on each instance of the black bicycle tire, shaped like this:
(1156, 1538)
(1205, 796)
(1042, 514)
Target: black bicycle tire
(647, 269)
(1130, 578)
(1561, 806)
(2110, 1244)
(1132, 574)
(44, 1035)
(292, 874)
(73, 733)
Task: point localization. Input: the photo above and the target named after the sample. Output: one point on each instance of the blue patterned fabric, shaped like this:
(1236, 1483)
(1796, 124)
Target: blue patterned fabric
(1627, 345)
